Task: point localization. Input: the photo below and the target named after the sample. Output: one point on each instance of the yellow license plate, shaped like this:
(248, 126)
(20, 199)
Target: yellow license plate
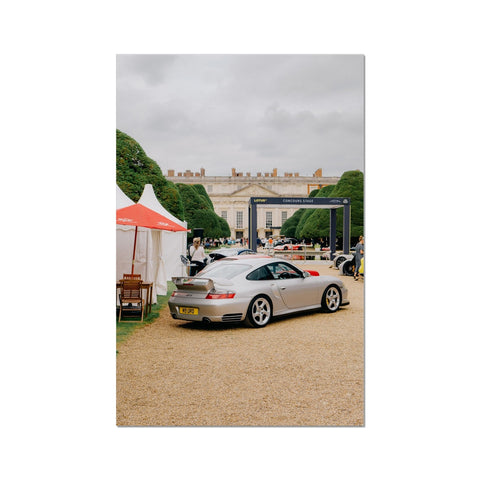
(188, 310)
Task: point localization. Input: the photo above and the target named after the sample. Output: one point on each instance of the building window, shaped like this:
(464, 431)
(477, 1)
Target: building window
(239, 219)
(268, 223)
(284, 217)
(224, 215)
(209, 188)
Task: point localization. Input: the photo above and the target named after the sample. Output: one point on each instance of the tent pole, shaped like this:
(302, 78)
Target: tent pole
(134, 247)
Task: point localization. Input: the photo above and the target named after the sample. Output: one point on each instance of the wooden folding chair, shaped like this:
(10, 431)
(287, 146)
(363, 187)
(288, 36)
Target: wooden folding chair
(131, 293)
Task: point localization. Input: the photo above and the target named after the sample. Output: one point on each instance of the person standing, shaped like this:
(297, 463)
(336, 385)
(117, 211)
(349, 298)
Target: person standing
(197, 257)
(359, 253)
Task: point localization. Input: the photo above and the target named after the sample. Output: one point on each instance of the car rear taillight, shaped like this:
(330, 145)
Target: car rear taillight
(218, 296)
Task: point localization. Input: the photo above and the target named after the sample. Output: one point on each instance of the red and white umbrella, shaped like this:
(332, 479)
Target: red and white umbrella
(140, 216)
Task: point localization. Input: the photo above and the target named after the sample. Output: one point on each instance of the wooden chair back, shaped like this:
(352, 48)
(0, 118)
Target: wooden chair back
(132, 276)
(131, 291)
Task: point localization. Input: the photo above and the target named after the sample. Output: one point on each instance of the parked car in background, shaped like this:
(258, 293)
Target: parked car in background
(288, 246)
(347, 267)
(286, 241)
(229, 252)
(254, 289)
(339, 258)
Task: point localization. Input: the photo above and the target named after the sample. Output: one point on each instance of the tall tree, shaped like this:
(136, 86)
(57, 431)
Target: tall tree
(308, 212)
(199, 212)
(290, 225)
(289, 228)
(201, 191)
(135, 170)
(350, 185)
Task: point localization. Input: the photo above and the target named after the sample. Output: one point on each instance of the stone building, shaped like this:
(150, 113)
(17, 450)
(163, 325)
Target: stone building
(230, 196)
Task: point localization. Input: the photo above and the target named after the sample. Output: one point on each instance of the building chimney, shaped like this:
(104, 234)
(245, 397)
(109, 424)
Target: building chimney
(234, 172)
(274, 174)
(318, 173)
(171, 173)
(202, 172)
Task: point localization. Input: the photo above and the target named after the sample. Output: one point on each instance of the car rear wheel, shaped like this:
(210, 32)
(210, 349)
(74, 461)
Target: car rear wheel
(332, 298)
(259, 312)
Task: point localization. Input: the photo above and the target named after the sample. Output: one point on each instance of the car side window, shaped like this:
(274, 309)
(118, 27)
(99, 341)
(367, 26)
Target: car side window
(281, 271)
(261, 273)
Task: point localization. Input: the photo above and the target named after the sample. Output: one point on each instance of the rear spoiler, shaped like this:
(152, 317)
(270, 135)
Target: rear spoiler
(191, 283)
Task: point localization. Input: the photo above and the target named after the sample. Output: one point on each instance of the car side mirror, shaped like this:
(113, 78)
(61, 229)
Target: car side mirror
(306, 275)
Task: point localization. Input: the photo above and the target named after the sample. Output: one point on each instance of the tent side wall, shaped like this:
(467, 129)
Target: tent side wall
(173, 245)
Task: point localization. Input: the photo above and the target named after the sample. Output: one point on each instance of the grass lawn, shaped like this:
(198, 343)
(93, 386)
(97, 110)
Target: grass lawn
(126, 329)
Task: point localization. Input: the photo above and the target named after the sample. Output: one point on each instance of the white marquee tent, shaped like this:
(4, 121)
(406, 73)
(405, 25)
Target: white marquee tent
(156, 256)
(172, 244)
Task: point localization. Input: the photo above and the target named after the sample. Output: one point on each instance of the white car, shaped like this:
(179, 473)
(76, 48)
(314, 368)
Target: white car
(253, 289)
(339, 258)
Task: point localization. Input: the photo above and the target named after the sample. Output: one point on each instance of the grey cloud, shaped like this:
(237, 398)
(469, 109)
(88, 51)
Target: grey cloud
(152, 69)
(219, 111)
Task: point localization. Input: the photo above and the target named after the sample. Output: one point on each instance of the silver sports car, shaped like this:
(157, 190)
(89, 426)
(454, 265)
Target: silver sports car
(254, 289)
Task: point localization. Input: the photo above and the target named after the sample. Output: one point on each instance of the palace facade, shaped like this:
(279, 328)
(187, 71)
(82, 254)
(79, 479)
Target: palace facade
(231, 195)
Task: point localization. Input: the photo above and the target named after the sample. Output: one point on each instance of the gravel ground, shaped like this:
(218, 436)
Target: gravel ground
(303, 370)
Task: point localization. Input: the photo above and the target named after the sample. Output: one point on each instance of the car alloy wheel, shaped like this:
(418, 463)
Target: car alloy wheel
(331, 299)
(259, 312)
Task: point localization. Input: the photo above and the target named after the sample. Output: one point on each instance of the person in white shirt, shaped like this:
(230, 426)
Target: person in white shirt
(197, 257)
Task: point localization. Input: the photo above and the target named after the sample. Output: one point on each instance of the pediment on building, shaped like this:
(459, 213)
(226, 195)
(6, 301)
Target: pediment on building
(254, 191)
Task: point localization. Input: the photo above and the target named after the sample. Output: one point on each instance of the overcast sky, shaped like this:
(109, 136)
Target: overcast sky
(297, 113)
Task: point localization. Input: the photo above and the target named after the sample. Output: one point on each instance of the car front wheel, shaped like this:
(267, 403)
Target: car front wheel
(259, 312)
(332, 298)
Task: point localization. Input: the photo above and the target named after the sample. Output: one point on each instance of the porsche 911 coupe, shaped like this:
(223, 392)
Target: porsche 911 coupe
(253, 289)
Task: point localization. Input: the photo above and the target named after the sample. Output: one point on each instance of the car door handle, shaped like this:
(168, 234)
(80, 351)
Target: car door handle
(283, 288)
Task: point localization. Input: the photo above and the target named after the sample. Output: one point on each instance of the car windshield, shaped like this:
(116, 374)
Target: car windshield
(226, 270)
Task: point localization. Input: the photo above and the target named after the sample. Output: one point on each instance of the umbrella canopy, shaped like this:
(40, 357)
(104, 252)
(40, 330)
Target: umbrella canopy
(138, 215)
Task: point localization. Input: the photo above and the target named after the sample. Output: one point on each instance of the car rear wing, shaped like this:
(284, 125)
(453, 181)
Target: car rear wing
(193, 284)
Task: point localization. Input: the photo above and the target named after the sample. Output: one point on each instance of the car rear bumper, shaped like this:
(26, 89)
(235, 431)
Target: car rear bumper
(208, 310)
